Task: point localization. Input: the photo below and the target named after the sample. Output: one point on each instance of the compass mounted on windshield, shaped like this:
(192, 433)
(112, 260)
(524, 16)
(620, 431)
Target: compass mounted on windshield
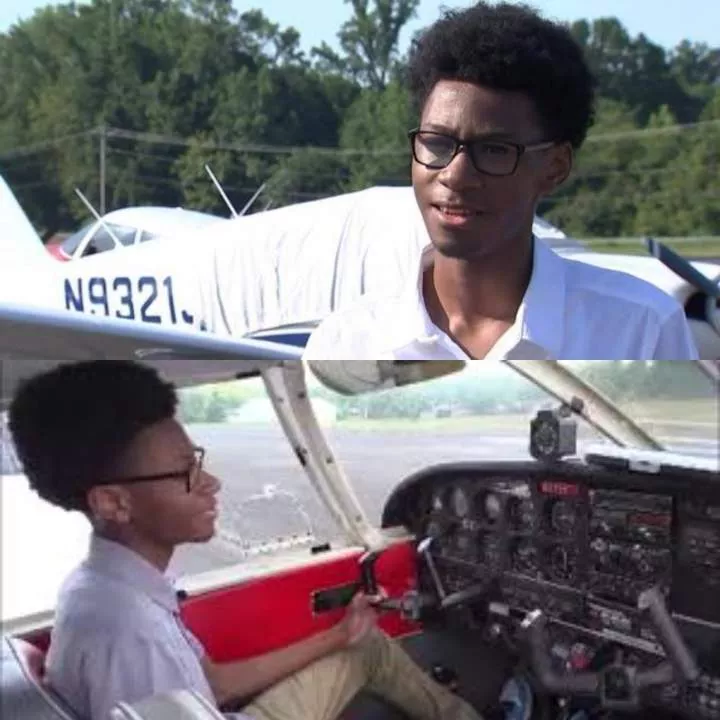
(553, 433)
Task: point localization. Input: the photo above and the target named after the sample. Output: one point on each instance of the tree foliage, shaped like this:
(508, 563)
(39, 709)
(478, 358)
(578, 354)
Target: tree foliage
(168, 86)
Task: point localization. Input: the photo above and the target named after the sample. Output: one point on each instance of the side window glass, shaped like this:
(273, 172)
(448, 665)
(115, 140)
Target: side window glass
(146, 235)
(102, 241)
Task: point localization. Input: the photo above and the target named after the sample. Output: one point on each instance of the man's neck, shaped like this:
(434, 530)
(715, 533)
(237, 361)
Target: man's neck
(158, 556)
(473, 292)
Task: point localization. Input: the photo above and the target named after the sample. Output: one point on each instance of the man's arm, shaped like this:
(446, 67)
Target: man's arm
(238, 680)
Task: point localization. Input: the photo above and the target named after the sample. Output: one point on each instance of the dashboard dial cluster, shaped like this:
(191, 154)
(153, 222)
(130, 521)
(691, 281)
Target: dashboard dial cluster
(510, 526)
(579, 543)
(589, 537)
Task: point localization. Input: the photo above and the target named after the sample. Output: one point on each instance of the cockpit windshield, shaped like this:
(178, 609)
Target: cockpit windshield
(674, 402)
(483, 412)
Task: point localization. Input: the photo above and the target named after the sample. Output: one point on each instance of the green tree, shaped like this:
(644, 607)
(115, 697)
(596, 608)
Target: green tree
(369, 42)
(307, 175)
(634, 71)
(378, 122)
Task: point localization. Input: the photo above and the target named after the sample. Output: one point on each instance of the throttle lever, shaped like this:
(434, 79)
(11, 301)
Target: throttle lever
(423, 549)
(410, 605)
(466, 596)
(677, 652)
(368, 581)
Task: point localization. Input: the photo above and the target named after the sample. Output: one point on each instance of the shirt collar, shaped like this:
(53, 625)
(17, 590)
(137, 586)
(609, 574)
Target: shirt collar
(120, 563)
(539, 325)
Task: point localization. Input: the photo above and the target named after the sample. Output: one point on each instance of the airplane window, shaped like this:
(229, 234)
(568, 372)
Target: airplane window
(9, 464)
(484, 413)
(32, 570)
(102, 241)
(146, 236)
(671, 400)
(267, 503)
(72, 242)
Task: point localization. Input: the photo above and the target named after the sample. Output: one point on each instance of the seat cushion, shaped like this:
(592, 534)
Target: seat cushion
(24, 695)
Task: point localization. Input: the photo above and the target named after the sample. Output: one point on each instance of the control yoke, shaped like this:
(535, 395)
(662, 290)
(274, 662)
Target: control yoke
(466, 596)
(413, 603)
(618, 686)
(410, 605)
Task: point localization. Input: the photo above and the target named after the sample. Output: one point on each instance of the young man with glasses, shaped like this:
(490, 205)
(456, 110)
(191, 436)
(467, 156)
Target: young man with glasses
(505, 100)
(101, 438)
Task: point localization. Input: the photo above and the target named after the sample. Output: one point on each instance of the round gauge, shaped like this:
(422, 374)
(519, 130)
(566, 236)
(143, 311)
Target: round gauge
(520, 513)
(524, 558)
(447, 543)
(465, 546)
(460, 502)
(561, 563)
(490, 507)
(438, 501)
(562, 517)
(544, 439)
(492, 550)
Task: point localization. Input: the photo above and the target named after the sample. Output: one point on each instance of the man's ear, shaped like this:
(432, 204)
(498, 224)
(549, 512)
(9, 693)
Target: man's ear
(109, 503)
(557, 168)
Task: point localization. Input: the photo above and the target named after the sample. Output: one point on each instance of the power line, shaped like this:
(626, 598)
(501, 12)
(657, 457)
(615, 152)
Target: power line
(340, 174)
(288, 150)
(264, 149)
(250, 147)
(651, 131)
(45, 145)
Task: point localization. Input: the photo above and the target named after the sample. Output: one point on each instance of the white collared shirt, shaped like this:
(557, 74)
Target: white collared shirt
(571, 311)
(118, 636)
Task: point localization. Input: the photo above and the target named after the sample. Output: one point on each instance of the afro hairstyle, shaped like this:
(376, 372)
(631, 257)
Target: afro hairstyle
(71, 425)
(509, 47)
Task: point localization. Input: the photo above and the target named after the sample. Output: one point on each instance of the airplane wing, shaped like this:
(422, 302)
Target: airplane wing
(32, 333)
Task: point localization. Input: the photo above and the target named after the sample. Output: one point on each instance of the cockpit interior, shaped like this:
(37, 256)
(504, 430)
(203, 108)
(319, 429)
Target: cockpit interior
(594, 577)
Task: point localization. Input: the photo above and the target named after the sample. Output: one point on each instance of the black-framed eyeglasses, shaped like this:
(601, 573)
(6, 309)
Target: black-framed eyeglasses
(498, 158)
(191, 475)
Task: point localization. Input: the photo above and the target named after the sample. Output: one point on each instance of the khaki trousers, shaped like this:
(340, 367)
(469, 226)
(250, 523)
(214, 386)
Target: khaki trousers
(322, 690)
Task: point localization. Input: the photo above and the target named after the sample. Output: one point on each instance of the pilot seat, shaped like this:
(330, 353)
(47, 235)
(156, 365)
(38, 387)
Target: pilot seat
(25, 694)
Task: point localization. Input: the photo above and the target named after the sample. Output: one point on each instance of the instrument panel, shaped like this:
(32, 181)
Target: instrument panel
(581, 544)
(610, 543)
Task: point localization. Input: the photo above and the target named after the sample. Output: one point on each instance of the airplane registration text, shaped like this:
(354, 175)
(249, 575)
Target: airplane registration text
(144, 298)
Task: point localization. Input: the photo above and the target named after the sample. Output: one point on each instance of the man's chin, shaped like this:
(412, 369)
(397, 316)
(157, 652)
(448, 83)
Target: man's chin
(462, 243)
(203, 535)
(458, 247)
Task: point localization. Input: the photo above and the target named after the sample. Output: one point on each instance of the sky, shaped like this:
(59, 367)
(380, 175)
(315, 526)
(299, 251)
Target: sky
(665, 22)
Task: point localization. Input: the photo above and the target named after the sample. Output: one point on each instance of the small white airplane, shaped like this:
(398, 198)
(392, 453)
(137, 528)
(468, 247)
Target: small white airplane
(276, 274)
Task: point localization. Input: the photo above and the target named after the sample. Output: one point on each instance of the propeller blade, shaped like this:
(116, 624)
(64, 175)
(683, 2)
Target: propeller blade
(682, 267)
